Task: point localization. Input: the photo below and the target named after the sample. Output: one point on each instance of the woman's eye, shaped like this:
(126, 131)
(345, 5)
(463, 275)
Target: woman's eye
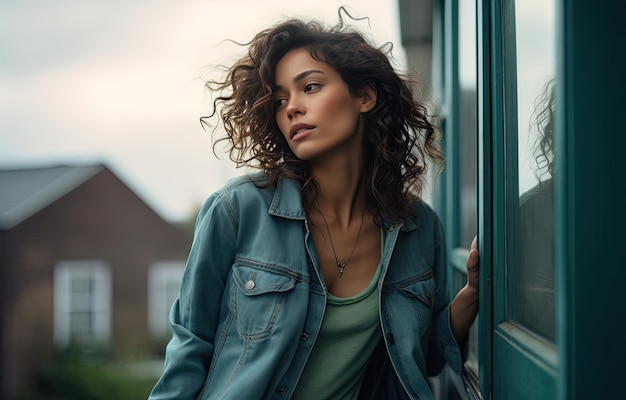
(311, 86)
(279, 102)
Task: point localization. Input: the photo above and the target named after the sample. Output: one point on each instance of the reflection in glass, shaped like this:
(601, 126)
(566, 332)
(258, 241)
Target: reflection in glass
(537, 303)
(532, 279)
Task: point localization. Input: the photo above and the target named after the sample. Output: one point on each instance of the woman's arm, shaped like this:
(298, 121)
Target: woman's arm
(194, 316)
(464, 307)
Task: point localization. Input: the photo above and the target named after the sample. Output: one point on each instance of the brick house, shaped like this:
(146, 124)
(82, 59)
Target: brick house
(82, 260)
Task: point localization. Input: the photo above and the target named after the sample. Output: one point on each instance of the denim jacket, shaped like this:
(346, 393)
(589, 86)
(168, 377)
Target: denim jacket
(253, 297)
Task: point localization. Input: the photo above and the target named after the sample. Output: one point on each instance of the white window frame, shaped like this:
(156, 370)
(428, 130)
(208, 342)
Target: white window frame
(100, 302)
(161, 276)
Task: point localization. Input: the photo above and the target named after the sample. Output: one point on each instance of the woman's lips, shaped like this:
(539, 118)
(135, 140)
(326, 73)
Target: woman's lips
(298, 131)
(301, 133)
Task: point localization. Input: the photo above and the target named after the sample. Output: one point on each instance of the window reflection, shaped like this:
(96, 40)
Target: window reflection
(537, 302)
(531, 282)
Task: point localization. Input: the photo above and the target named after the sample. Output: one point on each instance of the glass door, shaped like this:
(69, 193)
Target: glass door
(517, 160)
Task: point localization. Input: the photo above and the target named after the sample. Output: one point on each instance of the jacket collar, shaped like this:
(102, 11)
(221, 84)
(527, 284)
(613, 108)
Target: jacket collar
(287, 203)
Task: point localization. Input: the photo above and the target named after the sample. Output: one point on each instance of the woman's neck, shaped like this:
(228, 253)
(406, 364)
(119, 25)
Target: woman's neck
(341, 193)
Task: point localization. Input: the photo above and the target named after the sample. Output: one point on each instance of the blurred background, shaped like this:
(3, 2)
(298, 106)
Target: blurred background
(103, 166)
(118, 82)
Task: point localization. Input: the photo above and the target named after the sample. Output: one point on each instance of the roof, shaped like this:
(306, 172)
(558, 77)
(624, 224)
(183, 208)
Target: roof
(24, 192)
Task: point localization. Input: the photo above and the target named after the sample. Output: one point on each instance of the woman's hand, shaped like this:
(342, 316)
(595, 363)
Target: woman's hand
(464, 307)
(473, 265)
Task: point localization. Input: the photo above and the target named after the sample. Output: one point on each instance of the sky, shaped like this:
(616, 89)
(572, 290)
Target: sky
(117, 82)
(535, 33)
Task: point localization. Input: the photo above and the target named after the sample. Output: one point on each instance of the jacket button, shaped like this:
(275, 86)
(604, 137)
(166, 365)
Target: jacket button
(281, 390)
(304, 336)
(250, 285)
(390, 339)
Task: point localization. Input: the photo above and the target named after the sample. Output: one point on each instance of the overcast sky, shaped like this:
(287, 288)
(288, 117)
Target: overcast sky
(115, 81)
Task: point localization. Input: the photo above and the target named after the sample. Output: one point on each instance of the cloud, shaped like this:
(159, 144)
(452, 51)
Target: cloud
(116, 81)
(38, 35)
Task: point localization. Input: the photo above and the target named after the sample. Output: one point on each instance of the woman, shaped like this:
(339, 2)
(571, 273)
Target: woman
(323, 275)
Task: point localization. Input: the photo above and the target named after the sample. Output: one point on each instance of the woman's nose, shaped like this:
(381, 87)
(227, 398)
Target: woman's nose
(294, 107)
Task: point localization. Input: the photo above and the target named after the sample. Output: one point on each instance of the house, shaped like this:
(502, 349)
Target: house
(83, 260)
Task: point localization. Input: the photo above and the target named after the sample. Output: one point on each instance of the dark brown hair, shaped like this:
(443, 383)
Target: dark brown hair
(543, 121)
(400, 138)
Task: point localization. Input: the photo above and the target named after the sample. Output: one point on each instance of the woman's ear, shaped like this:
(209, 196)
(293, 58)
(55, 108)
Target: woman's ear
(367, 96)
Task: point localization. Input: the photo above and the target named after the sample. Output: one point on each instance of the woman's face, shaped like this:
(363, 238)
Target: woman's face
(315, 111)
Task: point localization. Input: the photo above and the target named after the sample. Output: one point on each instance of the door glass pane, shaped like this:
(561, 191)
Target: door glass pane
(468, 127)
(533, 283)
(468, 139)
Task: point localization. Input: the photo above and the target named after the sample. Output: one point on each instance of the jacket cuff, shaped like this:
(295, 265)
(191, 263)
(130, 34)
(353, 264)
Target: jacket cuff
(455, 353)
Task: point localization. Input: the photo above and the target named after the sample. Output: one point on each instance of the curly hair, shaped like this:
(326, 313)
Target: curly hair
(543, 121)
(400, 136)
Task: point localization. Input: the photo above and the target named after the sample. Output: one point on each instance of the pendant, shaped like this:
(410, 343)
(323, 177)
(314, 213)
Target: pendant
(341, 267)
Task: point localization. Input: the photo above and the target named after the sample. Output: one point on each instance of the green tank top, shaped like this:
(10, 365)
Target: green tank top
(348, 336)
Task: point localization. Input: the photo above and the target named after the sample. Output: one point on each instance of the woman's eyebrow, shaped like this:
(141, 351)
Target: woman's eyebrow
(304, 74)
(301, 76)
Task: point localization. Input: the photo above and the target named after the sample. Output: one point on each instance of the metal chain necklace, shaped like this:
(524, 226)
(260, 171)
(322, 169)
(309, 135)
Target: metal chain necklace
(341, 265)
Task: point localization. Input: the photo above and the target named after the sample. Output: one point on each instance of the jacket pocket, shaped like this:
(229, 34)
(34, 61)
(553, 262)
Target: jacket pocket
(421, 295)
(257, 299)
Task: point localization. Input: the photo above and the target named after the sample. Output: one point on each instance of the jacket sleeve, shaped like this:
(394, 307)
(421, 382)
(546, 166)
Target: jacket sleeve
(194, 315)
(442, 341)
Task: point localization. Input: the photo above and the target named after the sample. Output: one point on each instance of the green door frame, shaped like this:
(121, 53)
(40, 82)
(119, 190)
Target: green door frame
(591, 220)
(486, 89)
(510, 357)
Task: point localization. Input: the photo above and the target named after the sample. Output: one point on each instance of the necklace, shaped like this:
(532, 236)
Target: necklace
(341, 265)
